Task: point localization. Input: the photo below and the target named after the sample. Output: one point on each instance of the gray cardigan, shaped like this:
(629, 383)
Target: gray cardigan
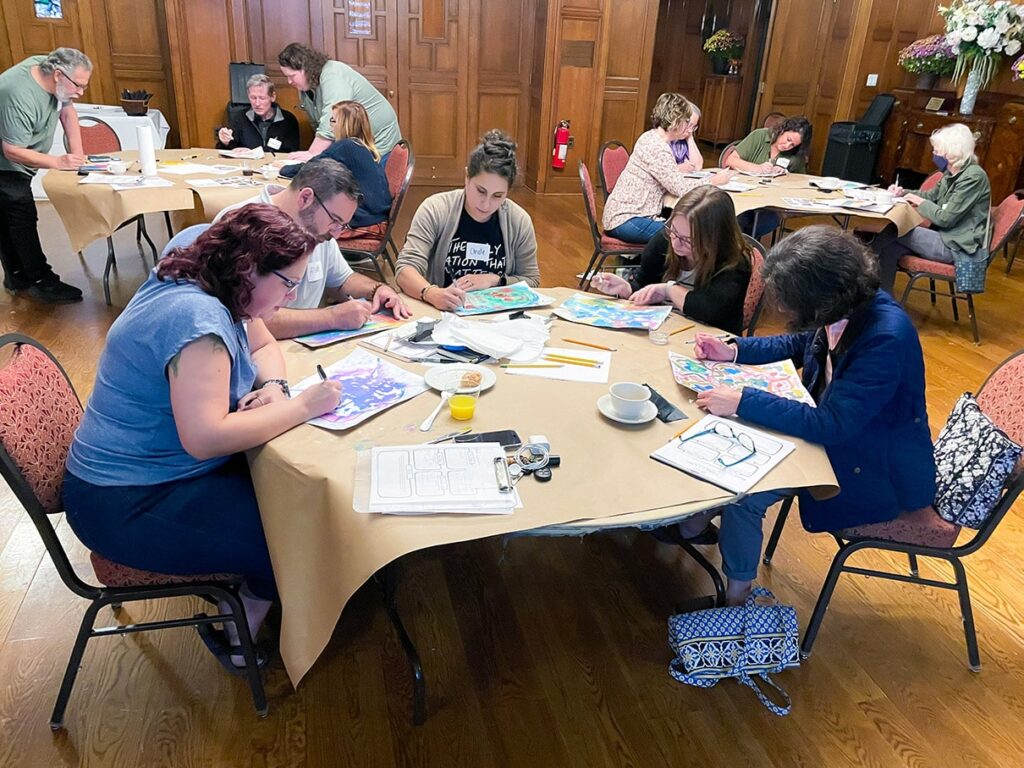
(430, 236)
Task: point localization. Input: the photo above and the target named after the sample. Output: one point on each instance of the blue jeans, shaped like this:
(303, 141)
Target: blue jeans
(205, 524)
(767, 221)
(384, 159)
(740, 536)
(639, 229)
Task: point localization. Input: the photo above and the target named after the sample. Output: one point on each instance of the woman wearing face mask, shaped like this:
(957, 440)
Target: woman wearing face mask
(633, 211)
(470, 238)
(958, 208)
(699, 263)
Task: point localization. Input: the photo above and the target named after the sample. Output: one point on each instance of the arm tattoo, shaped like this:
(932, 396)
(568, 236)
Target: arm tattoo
(216, 344)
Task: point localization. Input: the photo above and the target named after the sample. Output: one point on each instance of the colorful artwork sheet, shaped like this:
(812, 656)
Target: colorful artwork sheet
(380, 322)
(778, 378)
(369, 386)
(502, 299)
(608, 313)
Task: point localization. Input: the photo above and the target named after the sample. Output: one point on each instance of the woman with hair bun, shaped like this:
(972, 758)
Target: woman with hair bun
(470, 238)
(189, 379)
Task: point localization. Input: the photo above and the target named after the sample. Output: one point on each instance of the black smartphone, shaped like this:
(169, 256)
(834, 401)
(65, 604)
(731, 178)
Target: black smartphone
(508, 438)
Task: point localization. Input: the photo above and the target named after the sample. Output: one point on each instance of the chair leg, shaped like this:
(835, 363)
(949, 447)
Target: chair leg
(703, 562)
(111, 262)
(974, 318)
(587, 273)
(74, 662)
(906, 291)
(259, 695)
(387, 583)
(167, 223)
(834, 572)
(914, 571)
(953, 300)
(780, 523)
(931, 287)
(967, 614)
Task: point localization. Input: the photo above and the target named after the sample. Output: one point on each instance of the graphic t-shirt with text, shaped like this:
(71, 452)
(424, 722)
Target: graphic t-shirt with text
(477, 248)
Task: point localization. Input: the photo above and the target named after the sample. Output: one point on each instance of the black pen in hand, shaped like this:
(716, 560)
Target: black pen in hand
(320, 370)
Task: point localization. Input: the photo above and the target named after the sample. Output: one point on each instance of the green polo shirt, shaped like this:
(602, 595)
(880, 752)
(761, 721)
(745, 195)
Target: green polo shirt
(757, 148)
(28, 113)
(339, 82)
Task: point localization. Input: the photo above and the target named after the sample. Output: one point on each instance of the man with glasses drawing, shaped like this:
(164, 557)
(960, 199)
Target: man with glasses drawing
(34, 94)
(322, 198)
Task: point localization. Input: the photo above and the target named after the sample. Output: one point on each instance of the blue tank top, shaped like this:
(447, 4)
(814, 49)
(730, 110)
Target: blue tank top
(128, 435)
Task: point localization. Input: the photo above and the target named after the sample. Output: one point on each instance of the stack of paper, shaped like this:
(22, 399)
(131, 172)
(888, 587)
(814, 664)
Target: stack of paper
(440, 479)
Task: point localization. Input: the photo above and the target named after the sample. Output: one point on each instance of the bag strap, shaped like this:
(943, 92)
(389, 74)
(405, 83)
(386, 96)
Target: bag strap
(768, 703)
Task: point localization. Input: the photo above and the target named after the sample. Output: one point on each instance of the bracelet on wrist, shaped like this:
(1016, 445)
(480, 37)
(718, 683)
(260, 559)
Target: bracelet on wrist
(282, 383)
(373, 291)
(423, 291)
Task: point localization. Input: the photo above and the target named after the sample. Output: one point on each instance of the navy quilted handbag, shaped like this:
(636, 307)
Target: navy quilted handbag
(741, 641)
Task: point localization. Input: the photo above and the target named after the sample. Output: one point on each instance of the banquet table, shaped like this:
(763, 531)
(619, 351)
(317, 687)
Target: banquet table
(773, 193)
(323, 550)
(93, 211)
(124, 126)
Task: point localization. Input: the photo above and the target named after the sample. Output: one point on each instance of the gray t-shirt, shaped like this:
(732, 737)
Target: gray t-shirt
(339, 82)
(28, 114)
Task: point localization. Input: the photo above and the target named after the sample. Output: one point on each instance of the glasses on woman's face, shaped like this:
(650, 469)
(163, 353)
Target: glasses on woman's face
(337, 226)
(675, 237)
(291, 284)
(741, 440)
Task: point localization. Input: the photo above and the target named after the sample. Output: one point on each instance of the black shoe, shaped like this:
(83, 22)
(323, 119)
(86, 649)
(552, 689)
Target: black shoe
(53, 291)
(669, 534)
(15, 282)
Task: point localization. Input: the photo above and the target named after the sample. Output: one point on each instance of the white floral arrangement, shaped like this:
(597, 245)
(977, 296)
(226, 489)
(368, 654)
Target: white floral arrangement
(980, 32)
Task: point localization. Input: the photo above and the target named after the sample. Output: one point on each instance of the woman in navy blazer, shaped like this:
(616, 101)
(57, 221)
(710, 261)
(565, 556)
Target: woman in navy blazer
(863, 365)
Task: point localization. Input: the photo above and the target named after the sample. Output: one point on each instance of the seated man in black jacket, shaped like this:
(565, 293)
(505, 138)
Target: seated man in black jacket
(263, 125)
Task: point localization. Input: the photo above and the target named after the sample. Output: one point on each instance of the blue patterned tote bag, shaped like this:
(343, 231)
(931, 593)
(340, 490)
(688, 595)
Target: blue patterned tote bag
(743, 641)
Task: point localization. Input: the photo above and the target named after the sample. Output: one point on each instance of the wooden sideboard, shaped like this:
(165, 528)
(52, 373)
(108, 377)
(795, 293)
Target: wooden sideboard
(719, 103)
(997, 124)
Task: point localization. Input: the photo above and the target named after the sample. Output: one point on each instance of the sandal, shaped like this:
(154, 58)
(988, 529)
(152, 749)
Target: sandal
(669, 534)
(216, 640)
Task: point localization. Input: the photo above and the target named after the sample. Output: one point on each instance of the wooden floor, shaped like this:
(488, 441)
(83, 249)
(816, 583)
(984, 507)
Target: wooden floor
(538, 652)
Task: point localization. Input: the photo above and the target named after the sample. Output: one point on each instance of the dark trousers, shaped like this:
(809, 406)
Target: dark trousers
(21, 253)
(205, 524)
(767, 221)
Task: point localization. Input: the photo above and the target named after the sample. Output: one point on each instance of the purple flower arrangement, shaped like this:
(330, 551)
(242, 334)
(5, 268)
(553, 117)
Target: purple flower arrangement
(930, 56)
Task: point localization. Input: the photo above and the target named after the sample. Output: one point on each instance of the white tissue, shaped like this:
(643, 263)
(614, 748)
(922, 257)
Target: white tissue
(147, 153)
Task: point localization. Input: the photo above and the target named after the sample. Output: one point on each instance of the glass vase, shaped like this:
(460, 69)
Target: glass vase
(971, 88)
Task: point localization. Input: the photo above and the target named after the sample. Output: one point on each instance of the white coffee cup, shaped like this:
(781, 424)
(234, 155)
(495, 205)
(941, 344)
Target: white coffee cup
(884, 196)
(628, 399)
(268, 172)
(117, 167)
(829, 183)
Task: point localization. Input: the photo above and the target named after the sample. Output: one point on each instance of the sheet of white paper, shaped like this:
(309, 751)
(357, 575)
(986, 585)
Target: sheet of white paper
(185, 169)
(736, 186)
(569, 372)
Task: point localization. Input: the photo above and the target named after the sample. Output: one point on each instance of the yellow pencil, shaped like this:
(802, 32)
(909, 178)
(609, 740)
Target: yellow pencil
(595, 346)
(573, 358)
(684, 328)
(533, 365)
(573, 362)
(681, 432)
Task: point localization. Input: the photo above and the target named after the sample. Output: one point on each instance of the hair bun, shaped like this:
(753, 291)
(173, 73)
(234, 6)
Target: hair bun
(498, 143)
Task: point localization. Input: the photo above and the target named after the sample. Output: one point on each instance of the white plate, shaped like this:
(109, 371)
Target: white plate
(440, 377)
(604, 405)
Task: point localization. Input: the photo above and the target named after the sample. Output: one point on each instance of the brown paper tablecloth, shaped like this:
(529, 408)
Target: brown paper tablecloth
(94, 211)
(323, 550)
(771, 195)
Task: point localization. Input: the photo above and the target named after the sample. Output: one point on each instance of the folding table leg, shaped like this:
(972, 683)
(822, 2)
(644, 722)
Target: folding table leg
(387, 582)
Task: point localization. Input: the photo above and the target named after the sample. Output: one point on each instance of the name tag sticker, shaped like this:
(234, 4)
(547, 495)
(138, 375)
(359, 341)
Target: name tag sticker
(274, 144)
(315, 271)
(478, 252)
(782, 162)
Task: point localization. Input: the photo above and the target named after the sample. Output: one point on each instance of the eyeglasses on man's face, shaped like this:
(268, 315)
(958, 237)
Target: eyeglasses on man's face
(74, 82)
(721, 429)
(337, 226)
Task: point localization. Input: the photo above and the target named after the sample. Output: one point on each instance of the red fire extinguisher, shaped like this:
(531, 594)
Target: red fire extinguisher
(561, 144)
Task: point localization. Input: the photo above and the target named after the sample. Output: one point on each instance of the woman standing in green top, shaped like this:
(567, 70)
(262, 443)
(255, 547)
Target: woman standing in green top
(322, 83)
(778, 149)
(957, 207)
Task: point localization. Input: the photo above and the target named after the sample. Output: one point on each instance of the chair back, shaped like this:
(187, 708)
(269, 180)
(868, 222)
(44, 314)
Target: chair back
(754, 299)
(932, 181)
(729, 149)
(611, 161)
(772, 119)
(39, 412)
(1006, 220)
(97, 137)
(587, 188)
(400, 167)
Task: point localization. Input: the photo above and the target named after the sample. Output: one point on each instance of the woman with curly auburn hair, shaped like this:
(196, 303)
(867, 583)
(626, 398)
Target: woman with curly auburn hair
(189, 379)
(862, 364)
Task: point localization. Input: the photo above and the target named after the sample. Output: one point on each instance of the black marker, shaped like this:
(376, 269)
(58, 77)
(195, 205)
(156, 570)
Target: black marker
(320, 370)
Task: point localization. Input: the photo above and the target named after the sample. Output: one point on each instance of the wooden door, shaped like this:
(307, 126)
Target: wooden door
(836, 36)
(794, 56)
(433, 86)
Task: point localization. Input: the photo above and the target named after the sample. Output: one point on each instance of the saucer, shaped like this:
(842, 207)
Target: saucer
(604, 405)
